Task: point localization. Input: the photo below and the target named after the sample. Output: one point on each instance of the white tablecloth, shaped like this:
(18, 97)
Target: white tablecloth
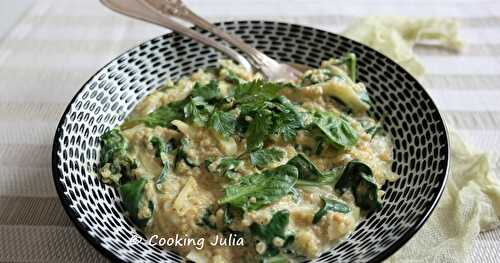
(56, 45)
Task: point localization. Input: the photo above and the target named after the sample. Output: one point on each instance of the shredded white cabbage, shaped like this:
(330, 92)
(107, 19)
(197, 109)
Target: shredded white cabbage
(396, 36)
(182, 203)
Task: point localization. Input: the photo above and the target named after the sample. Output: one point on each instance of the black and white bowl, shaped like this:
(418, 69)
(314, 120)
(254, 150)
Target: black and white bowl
(410, 116)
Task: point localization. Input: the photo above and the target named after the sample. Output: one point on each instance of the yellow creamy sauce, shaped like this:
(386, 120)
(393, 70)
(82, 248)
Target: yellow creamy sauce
(182, 199)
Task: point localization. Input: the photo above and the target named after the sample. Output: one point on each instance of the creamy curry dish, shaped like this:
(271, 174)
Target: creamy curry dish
(288, 168)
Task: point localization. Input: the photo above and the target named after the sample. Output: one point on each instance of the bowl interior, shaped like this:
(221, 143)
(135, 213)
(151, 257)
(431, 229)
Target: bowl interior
(410, 116)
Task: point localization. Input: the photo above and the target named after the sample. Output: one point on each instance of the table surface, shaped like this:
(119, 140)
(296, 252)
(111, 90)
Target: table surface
(49, 48)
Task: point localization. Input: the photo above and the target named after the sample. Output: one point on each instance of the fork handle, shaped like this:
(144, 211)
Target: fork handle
(178, 9)
(142, 11)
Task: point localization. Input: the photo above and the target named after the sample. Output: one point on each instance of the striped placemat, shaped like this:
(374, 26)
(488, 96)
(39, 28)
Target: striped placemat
(57, 45)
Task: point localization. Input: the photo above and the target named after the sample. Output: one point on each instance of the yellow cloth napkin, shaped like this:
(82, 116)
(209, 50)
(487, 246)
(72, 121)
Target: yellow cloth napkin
(471, 201)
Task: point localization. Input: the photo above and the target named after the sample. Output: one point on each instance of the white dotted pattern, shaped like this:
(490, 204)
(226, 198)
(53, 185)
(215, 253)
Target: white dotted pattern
(421, 154)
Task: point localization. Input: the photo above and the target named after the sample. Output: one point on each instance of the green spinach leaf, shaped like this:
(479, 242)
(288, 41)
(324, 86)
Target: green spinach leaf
(132, 194)
(114, 156)
(256, 91)
(197, 110)
(160, 117)
(287, 120)
(266, 112)
(330, 205)
(227, 167)
(112, 144)
(252, 192)
(326, 178)
(338, 132)
(258, 131)
(307, 170)
(275, 228)
(207, 92)
(263, 157)
(358, 178)
(350, 60)
(223, 123)
(278, 116)
(310, 175)
(161, 151)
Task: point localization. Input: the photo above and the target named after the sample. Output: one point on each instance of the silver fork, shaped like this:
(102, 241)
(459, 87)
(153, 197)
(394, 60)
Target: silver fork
(160, 11)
